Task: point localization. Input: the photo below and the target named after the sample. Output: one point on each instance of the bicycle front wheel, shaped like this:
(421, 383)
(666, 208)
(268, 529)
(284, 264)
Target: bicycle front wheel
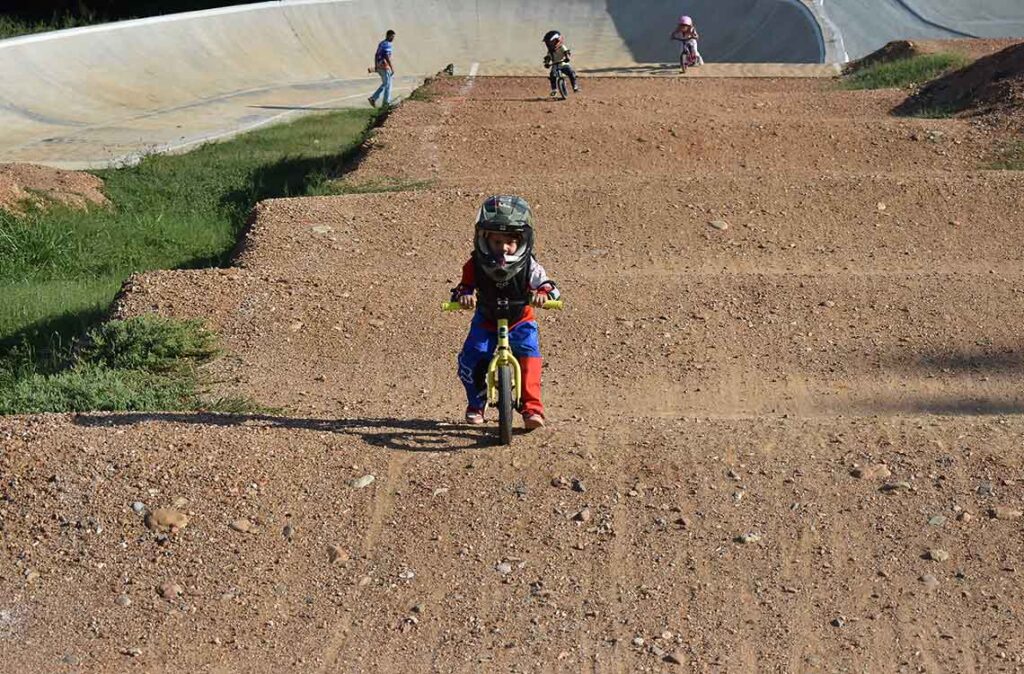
(563, 87)
(505, 404)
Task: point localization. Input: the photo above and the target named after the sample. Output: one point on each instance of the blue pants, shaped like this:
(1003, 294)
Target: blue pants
(385, 86)
(478, 349)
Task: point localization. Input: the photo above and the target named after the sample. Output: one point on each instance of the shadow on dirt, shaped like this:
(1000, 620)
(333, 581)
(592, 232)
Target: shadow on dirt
(987, 359)
(969, 381)
(943, 406)
(407, 435)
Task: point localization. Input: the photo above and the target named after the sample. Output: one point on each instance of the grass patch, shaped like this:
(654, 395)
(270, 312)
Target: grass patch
(379, 185)
(146, 363)
(905, 72)
(1010, 157)
(61, 268)
(423, 94)
(13, 26)
(935, 112)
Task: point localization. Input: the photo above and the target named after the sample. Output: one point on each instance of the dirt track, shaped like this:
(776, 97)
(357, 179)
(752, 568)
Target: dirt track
(862, 307)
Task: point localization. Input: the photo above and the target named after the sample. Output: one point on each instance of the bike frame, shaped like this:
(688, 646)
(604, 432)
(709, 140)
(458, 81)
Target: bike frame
(503, 356)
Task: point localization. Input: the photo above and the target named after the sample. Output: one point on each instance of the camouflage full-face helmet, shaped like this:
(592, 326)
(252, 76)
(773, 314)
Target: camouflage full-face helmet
(507, 214)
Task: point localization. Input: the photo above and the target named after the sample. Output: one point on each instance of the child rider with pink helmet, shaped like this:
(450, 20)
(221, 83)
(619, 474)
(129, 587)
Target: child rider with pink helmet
(686, 35)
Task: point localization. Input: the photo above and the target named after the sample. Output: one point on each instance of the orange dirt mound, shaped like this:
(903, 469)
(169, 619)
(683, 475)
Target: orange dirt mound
(22, 184)
(993, 84)
(904, 49)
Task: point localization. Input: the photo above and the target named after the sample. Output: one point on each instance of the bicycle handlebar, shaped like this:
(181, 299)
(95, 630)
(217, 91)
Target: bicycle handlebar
(455, 306)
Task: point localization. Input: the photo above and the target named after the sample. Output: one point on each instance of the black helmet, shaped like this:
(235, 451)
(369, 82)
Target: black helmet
(552, 37)
(506, 214)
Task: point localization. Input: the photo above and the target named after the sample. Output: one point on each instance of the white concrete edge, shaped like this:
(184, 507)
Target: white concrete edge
(133, 158)
(156, 20)
(834, 29)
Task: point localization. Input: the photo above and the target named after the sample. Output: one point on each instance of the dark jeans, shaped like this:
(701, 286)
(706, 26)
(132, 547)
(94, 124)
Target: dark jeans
(568, 71)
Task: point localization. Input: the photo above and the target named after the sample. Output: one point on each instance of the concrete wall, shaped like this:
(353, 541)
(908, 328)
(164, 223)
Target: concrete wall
(103, 94)
(866, 25)
(90, 96)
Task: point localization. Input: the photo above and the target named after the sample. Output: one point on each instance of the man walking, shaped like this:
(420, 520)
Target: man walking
(383, 66)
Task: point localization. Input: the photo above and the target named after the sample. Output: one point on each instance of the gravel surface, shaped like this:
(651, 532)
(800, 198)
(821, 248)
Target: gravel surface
(789, 443)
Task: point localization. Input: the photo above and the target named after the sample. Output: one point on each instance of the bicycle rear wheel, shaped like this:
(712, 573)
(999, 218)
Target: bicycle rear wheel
(563, 87)
(505, 404)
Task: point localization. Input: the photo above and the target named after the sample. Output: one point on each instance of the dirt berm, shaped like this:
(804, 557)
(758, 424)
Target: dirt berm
(992, 84)
(788, 441)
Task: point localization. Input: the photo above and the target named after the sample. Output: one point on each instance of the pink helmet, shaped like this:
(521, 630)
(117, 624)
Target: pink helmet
(685, 20)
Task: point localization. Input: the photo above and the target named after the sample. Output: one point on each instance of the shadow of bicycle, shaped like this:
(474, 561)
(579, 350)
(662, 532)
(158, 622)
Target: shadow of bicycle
(408, 435)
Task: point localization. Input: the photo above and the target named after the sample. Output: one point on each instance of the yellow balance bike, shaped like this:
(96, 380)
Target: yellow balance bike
(504, 376)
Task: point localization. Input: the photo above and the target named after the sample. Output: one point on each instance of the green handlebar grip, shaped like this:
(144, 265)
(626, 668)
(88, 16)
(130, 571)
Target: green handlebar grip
(455, 306)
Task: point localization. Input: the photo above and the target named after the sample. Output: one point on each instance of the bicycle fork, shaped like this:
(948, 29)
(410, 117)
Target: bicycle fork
(503, 356)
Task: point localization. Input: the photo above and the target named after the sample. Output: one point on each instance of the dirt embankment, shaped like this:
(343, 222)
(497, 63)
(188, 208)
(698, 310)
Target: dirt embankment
(993, 85)
(904, 49)
(33, 186)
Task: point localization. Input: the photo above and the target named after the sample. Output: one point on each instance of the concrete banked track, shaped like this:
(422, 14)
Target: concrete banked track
(108, 94)
(92, 96)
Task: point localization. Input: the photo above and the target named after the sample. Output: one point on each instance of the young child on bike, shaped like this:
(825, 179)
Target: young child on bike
(558, 55)
(503, 279)
(686, 35)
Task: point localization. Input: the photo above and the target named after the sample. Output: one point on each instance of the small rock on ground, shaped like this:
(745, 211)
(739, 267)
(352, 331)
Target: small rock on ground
(337, 554)
(166, 519)
(1006, 513)
(364, 481)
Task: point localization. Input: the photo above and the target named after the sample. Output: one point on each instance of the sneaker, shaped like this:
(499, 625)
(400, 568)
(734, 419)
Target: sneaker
(553, 93)
(576, 88)
(474, 416)
(533, 421)
(373, 101)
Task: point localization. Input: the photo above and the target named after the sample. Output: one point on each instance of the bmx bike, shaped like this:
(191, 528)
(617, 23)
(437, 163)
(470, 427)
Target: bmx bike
(504, 375)
(688, 57)
(561, 81)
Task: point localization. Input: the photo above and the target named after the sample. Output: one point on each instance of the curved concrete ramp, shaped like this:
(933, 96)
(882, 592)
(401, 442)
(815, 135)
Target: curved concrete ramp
(107, 94)
(738, 31)
(866, 25)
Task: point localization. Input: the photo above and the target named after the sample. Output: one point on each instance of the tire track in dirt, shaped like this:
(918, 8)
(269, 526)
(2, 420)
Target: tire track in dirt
(381, 506)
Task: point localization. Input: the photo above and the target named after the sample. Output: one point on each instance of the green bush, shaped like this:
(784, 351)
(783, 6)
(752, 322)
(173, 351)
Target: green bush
(87, 387)
(905, 72)
(144, 363)
(152, 343)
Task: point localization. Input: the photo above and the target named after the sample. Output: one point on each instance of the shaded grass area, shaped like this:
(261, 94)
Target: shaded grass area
(145, 363)
(905, 72)
(1010, 157)
(60, 268)
(23, 17)
(13, 26)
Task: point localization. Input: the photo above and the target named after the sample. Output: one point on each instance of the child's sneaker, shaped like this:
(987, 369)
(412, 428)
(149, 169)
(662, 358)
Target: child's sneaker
(576, 88)
(533, 421)
(474, 416)
(373, 101)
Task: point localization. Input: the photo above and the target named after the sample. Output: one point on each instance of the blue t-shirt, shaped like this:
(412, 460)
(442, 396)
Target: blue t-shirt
(384, 51)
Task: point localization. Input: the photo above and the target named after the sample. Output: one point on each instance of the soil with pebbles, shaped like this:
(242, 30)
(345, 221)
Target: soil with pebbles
(23, 185)
(727, 396)
(993, 86)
